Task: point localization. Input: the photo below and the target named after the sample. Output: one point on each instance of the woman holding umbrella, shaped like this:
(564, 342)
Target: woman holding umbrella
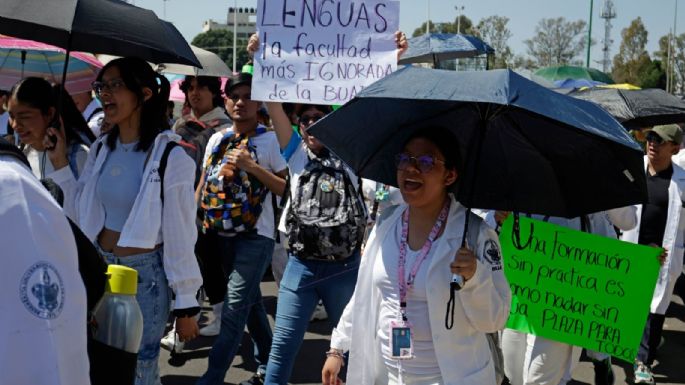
(411, 253)
(32, 108)
(136, 215)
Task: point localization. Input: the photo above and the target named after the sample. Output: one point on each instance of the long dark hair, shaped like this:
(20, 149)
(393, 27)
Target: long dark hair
(212, 83)
(137, 74)
(39, 93)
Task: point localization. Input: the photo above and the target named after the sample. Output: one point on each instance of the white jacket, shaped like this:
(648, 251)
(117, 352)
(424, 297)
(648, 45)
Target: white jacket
(673, 241)
(482, 306)
(42, 298)
(148, 223)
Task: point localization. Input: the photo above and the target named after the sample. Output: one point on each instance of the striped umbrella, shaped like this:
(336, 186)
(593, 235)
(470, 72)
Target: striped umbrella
(23, 58)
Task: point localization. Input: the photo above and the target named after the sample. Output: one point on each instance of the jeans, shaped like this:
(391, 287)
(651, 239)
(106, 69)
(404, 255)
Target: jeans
(153, 299)
(245, 258)
(304, 283)
(651, 338)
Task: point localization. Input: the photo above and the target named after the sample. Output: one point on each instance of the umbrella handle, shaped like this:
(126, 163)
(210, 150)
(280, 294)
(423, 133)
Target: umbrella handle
(516, 234)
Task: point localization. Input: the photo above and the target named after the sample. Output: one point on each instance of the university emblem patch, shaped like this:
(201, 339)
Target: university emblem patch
(42, 290)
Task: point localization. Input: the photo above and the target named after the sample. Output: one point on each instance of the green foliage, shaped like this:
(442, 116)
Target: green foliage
(220, 41)
(632, 64)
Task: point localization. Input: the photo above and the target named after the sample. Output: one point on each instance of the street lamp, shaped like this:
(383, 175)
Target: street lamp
(589, 36)
(459, 9)
(235, 32)
(428, 16)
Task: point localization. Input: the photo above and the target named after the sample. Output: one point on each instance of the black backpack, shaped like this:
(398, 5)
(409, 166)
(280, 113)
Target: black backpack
(194, 138)
(327, 218)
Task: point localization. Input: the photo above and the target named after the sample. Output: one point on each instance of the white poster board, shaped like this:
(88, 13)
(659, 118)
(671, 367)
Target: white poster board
(323, 51)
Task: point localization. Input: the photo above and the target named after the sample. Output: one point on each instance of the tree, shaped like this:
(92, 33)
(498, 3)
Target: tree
(493, 30)
(220, 41)
(632, 63)
(557, 42)
(464, 23)
(677, 59)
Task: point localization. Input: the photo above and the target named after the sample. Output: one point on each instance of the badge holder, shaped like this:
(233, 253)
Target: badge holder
(401, 341)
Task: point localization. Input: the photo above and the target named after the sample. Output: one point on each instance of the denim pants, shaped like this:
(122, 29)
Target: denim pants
(304, 283)
(245, 258)
(153, 299)
(651, 338)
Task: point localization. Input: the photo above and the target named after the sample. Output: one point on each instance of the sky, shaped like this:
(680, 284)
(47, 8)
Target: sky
(657, 15)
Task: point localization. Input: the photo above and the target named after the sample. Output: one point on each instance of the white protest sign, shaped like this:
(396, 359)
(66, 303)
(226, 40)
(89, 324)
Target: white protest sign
(323, 51)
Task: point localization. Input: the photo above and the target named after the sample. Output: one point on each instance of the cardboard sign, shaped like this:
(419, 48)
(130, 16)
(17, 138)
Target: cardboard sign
(323, 51)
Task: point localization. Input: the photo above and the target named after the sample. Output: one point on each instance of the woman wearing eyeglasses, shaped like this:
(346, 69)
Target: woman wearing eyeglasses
(134, 215)
(394, 325)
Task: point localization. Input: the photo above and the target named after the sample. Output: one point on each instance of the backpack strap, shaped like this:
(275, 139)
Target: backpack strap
(73, 150)
(162, 166)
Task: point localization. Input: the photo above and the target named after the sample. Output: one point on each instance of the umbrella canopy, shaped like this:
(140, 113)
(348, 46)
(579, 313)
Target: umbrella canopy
(436, 47)
(576, 83)
(99, 26)
(525, 148)
(23, 58)
(212, 65)
(637, 108)
(572, 72)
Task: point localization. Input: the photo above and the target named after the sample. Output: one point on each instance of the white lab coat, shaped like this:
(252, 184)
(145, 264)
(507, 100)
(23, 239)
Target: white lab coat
(482, 306)
(673, 241)
(42, 298)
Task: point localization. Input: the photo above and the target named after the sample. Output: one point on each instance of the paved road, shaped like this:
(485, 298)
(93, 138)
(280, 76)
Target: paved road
(188, 366)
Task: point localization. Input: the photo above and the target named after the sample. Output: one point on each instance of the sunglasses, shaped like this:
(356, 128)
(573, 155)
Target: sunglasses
(653, 137)
(307, 121)
(423, 163)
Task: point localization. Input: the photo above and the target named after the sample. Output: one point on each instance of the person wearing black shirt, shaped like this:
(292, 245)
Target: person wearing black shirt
(662, 224)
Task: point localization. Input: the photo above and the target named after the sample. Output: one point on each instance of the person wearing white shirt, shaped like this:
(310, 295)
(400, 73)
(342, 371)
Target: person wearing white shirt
(32, 107)
(43, 321)
(404, 283)
(136, 216)
(246, 253)
(91, 110)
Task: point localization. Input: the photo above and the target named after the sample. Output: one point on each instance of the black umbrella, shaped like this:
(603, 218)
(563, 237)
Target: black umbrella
(525, 148)
(637, 108)
(436, 47)
(99, 26)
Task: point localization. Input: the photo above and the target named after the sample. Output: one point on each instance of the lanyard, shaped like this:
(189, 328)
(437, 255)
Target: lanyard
(405, 284)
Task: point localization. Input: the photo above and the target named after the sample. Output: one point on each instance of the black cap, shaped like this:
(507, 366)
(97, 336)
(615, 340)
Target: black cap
(239, 79)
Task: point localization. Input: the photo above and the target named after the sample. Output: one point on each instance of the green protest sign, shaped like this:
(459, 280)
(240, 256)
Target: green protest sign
(578, 288)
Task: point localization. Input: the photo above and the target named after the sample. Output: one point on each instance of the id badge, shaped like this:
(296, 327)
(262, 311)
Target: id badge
(401, 343)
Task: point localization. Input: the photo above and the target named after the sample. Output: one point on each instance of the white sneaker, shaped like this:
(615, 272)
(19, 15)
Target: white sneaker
(319, 313)
(212, 329)
(171, 342)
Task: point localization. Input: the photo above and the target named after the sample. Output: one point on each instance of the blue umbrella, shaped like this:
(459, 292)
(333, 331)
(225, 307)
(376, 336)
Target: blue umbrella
(525, 148)
(577, 83)
(436, 47)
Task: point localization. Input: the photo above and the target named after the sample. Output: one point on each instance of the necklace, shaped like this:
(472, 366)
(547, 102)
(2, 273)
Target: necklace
(128, 146)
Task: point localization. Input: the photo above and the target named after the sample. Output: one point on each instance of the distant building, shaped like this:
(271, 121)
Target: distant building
(245, 18)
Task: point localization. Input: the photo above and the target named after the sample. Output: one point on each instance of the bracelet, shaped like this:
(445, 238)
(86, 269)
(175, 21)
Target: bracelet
(336, 353)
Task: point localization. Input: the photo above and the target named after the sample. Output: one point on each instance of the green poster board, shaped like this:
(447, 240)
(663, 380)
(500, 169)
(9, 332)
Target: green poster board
(578, 288)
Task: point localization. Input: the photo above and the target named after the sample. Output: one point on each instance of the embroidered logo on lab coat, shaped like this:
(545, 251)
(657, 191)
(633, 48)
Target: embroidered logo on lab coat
(42, 291)
(492, 253)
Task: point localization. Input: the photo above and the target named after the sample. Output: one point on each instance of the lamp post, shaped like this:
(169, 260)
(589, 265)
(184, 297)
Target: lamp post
(428, 16)
(459, 9)
(589, 37)
(235, 32)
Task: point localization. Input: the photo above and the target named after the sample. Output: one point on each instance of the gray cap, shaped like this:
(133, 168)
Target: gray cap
(669, 132)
